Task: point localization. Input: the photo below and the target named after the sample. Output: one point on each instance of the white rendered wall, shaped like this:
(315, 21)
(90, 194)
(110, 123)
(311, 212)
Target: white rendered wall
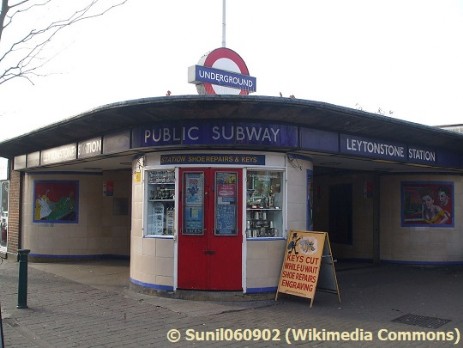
(101, 229)
(419, 244)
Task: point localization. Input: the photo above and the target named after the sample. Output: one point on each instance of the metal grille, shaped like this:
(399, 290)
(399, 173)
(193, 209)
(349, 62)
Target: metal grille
(421, 320)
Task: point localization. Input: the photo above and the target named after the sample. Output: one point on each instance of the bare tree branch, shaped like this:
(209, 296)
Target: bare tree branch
(23, 57)
(3, 11)
(19, 11)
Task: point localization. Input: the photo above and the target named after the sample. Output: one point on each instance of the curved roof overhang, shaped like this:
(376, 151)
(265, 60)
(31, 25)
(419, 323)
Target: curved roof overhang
(312, 114)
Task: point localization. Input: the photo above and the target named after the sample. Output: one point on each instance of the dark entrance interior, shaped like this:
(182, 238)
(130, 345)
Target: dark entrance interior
(340, 213)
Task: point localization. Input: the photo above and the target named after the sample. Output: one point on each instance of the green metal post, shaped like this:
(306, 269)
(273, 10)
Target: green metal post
(22, 284)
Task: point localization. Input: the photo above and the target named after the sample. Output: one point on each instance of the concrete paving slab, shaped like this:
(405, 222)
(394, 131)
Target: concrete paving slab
(81, 306)
(105, 275)
(114, 276)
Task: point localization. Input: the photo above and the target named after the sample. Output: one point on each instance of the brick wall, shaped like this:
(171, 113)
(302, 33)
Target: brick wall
(14, 226)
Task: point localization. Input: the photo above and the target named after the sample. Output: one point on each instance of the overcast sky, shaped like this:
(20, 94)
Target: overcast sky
(404, 57)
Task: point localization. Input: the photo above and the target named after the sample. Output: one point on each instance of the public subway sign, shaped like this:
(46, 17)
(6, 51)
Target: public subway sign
(222, 71)
(216, 133)
(386, 150)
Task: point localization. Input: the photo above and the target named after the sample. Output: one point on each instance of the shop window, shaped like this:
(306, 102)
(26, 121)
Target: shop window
(160, 207)
(264, 201)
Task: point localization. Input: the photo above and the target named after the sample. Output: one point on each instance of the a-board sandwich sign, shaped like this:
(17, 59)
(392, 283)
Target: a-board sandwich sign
(308, 265)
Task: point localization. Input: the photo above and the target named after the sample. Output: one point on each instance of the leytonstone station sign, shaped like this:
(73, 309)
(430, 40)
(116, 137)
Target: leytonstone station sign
(222, 71)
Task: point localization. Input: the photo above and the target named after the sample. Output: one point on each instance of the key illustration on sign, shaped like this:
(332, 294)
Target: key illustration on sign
(308, 245)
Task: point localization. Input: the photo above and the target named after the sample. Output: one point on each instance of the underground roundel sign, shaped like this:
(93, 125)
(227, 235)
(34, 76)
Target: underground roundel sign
(222, 71)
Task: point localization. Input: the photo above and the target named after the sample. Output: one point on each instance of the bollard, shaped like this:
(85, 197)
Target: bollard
(22, 283)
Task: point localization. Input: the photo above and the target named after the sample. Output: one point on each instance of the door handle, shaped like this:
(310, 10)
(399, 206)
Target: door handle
(209, 252)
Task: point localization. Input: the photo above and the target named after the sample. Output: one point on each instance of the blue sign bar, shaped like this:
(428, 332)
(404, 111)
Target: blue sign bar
(252, 135)
(449, 159)
(319, 140)
(421, 155)
(378, 149)
(203, 74)
(219, 158)
(216, 133)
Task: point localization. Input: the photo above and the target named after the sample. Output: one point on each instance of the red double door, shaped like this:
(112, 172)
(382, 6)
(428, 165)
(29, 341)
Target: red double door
(210, 229)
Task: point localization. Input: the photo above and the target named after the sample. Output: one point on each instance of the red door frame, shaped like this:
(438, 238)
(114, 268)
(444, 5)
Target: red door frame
(208, 260)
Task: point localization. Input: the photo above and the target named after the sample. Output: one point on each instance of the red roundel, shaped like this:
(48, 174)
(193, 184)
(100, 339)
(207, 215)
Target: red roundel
(224, 59)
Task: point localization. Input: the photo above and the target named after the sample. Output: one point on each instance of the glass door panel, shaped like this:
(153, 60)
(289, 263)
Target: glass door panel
(226, 198)
(193, 204)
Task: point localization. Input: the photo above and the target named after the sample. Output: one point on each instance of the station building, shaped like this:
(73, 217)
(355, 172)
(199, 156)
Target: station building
(200, 192)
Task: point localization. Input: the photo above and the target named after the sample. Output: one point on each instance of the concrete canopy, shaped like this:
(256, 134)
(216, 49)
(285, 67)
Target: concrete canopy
(312, 114)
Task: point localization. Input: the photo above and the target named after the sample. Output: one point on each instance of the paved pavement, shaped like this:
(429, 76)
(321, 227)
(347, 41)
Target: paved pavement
(90, 305)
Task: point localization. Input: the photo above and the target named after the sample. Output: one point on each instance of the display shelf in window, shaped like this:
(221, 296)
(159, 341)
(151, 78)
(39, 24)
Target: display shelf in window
(161, 192)
(263, 223)
(264, 215)
(160, 217)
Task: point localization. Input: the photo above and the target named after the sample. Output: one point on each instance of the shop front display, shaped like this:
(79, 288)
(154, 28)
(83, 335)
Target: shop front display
(205, 226)
(264, 204)
(161, 203)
